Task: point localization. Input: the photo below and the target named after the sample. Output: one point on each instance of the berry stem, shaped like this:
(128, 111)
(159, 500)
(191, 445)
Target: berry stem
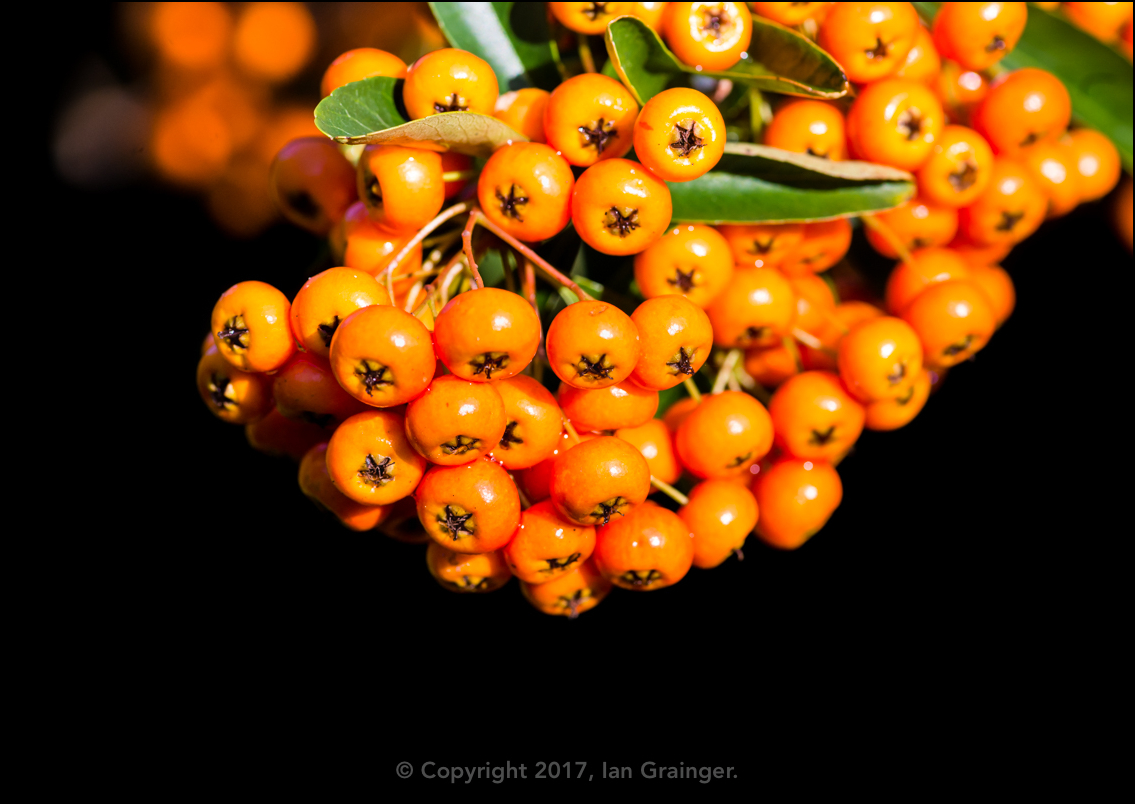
(467, 241)
(752, 386)
(811, 341)
(551, 274)
(726, 369)
(442, 217)
(585, 56)
(429, 290)
(458, 175)
(571, 431)
(669, 491)
(888, 234)
(412, 296)
(790, 345)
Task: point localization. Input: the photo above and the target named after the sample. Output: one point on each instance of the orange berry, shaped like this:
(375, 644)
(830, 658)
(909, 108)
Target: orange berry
(953, 319)
(679, 134)
(708, 36)
(758, 309)
(598, 479)
(959, 89)
(455, 421)
(304, 388)
(1010, 209)
(679, 340)
(869, 40)
(879, 357)
(1121, 213)
(232, 395)
(720, 515)
(382, 356)
(325, 300)
(650, 13)
(370, 247)
(193, 36)
(790, 14)
(917, 223)
(525, 188)
(534, 423)
(1022, 108)
(815, 302)
(891, 414)
(317, 486)
(273, 41)
(458, 572)
(843, 317)
(654, 441)
(471, 508)
(590, 118)
(895, 122)
(691, 260)
(1097, 163)
(762, 245)
(927, 266)
(624, 404)
(250, 327)
(649, 548)
(771, 365)
(979, 255)
(796, 498)
(574, 592)
(814, 418)
(589, 18)
(676, 413)
(592, 344)
(487, 334)
(312, 183)
(522, 110)
(360, 63)
(998, 288)
(724, 435)
(978, 35)
(923, 63)
(278, 436)
(823, 245)
(1104, 21)
(958, 168)
(619, 207)
(1053, 167)
(808, 127)
(401, 187)
(545, 546)
(449, 80)
(370, 459)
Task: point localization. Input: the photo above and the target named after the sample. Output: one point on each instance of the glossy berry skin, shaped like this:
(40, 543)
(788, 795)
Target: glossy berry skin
(304, 388)
(525, 188)
(808, 127)
(691, 260)
(954, 320)
(708, 36)
(978, 35)
(360, 63)
(570, 594)
(895, 122)
(814, 418)
(471, 508)
(844, 316)
(796, 498)
(927, 266)
(679, 134)
(486, 334)
(316, 485)
(370, 459)
(917, 223)
(649, 548)
(762, 245)
(958, 168)
(588, 18)
(545, 545)
(522, 110)
(325, 300)
(815, 304)
(679, 341)
(250, 327)
(654, 440)
(624, 404)
(823, 245)
(455, 421)
(401, 187)
(232, 395)
(720, 514)
(460, 572)
(382, 356)
(758, 309)
(960, 90)
(312, 183)
(590, 118)
(361, 243)
(1053, 168)
(1097, 163)
(724, 435)
(997, 286)
(280, 437)
(533, 423)
(923, 62)
(1104, 21)
(891, 414)
(592, 344)
(878, 358)
(1011, 208)
(1023, 107)
(449, 80)
(771, 365)
(790, 14)
(619, 207)
(598, 479)
(869, 40)
(979, 254)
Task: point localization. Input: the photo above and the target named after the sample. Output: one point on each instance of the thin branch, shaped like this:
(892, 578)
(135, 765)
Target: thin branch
(442, 217)
(726, 369)
(692, 389)
(669, 491)
(467, 241)
(551, 274)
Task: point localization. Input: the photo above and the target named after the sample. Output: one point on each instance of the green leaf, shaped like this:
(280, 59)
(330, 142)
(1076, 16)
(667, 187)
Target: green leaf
(512, 37)
(1098, 78)
(367, 112)
(759, 184)
(779, 60)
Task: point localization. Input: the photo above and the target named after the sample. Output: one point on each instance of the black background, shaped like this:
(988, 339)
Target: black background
(984, 536)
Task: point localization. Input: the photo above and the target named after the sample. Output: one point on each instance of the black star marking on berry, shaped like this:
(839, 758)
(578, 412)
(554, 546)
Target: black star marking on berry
(620, 224)
(572, 603)
(559, 563)
(995, 44)
(682, 280)
(880, 50)
(1030, 138)
(762, 248)
(453, 103)
(510, 202)
(712, 20)
(822, 437)
(327, 331)
(737, 552)
(919, 242)
(509, 438)
(218, 386)
(593, 10)
(816, 153)
(597, 369)
(681, 362)
(905, 398)
(910, 124)
(489, 362)
(469, 584)
(234, 333)
(377, 473)
(374, 375)
(740, 459)
(964, 177)
(1009, 220)
(753, 334)
(955, 349)
(455, 523)
(605, 510)
(687, 141)
(460, 445)
(597, 135)
(641, 577)
(897, 374)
